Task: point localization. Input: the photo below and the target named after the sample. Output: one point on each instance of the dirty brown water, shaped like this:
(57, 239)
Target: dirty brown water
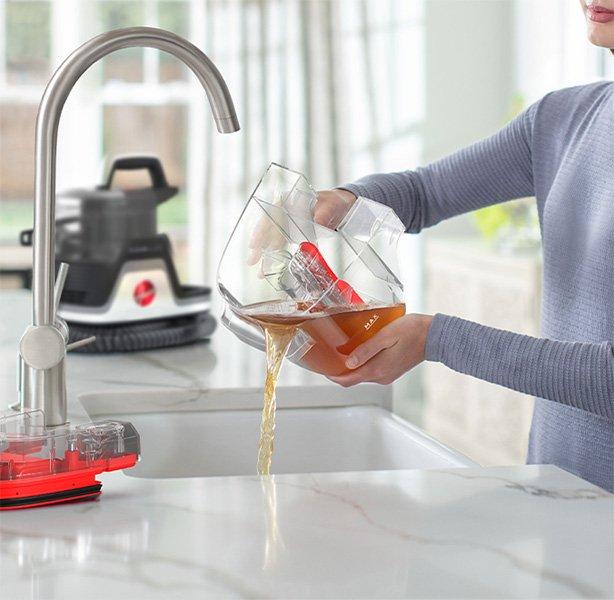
(334, 334)
(278, 339)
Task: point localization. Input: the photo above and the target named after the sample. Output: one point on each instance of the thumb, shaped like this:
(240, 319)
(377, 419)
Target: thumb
(366, 351)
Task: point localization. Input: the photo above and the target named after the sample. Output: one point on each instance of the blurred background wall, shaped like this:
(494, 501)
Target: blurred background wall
(335, 89)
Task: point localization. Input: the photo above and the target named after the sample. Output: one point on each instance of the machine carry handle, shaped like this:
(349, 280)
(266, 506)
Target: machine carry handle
(133, 163)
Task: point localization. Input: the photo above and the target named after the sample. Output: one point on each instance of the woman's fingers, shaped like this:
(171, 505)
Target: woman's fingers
(394, 350)
(346, 380)
(257, 240)
(377, 370)
(264, 237)
(380, 341)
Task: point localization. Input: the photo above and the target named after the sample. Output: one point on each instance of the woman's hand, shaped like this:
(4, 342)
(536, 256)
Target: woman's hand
(392, 351)
(331, 206)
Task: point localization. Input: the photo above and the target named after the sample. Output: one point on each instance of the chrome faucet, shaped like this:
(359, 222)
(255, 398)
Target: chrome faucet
(44, 344)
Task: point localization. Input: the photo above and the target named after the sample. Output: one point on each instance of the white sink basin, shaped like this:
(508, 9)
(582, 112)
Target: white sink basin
(196, 434)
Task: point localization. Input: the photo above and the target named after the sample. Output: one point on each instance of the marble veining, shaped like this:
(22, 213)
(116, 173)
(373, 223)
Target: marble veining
(190, 379)
(529, 567)
(373, 534)
(583, 493)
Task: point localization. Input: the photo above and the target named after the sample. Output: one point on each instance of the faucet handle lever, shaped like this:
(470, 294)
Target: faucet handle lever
(80, 343)
(58, 288)
(60, 280)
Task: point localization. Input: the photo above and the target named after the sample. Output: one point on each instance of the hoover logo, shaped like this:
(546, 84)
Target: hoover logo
(144, 293)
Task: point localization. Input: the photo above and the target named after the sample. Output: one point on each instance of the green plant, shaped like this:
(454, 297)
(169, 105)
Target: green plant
(493, 220)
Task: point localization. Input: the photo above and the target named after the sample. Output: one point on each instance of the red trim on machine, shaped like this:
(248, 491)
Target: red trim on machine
(71, 478)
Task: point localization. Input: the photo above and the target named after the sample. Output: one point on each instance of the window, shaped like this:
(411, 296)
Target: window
(552, 51)
(302, 75)
(136, 101)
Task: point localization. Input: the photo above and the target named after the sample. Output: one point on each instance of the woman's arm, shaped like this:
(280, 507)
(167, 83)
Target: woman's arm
(579, 374)
(491, 171)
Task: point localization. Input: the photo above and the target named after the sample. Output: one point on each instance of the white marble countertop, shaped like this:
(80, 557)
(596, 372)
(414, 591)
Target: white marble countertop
(520, 532)
(508, 532)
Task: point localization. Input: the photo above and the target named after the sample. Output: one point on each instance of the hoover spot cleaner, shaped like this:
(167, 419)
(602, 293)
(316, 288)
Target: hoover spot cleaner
(47, 465)
(122, 286)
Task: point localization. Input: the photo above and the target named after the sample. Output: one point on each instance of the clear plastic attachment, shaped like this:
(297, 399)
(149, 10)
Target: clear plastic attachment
(41, 464)
(337, 285)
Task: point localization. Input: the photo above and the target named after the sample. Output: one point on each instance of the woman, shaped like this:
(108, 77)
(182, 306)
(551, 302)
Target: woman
(561, 150)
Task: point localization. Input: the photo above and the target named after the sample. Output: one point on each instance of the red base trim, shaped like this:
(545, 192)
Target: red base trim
(72, 479)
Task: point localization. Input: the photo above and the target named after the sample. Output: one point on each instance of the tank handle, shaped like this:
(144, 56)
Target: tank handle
(133, 163)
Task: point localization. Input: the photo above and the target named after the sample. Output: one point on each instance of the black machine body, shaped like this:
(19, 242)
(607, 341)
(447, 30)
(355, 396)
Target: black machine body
(122, 285)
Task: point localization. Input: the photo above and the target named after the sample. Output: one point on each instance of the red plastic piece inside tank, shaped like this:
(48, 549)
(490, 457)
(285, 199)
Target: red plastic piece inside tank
(318, 262)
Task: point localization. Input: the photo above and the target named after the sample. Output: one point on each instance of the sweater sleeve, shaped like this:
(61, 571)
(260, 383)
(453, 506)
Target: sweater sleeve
(491, 171)
(578, 374)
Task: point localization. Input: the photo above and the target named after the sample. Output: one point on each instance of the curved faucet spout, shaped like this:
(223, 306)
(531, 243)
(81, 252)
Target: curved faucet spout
(42, 386)
(49, 112)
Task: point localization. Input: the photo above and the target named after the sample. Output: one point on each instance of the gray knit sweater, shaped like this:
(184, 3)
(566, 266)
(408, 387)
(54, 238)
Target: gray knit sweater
(561, 150)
